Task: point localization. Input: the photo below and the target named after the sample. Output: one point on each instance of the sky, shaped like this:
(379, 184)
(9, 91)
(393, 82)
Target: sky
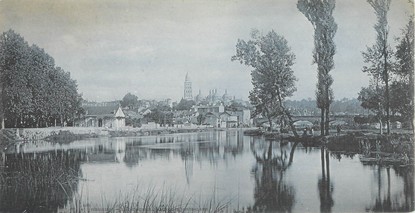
(146, 47)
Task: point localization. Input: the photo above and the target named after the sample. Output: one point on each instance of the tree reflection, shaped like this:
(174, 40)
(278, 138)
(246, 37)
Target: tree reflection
(233, 143)
(134, 154)
(399, 201)
(39, 182)
(272, 193)
(325, 187)
(407, 173)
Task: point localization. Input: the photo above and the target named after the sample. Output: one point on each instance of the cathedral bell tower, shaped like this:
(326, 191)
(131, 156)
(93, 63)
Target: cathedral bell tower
(187, 88)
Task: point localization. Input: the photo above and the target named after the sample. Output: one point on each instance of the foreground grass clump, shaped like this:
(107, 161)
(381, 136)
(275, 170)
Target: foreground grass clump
(150, 200)
(38, 182)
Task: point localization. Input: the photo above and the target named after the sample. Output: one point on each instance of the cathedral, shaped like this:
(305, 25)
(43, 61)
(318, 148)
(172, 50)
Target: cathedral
(212, 98)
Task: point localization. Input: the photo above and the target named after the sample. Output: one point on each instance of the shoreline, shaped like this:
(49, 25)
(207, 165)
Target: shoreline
(67, 134)
(397, 147)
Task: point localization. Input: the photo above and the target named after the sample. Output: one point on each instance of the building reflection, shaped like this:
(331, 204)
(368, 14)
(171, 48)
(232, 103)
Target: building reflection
(272, 192)
(233, 143)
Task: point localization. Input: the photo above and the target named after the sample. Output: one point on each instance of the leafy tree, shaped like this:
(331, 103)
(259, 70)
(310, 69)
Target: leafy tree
(402, 90)
(372, 98)
(201, 119)
(161, 117)
(379, 56)
(161, 114)
(272, 77)
(41, 65)
(14, 68)
(320, 14)
(185, 104)
(130, 101)
(401, 100)
(33, 92)
(233, 106)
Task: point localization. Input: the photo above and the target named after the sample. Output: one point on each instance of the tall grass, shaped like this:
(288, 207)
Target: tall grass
(150, 199)
(38, 183)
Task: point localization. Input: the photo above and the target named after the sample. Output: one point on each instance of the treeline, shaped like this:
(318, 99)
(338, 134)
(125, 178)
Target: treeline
(391, 70)
(34, 92)
(308, 107)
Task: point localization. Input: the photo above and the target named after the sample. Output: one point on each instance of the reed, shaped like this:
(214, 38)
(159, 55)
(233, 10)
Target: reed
(150, 199)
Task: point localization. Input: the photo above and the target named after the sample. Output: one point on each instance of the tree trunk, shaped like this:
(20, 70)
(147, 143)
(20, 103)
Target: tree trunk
(381, 126)
(386, 79)
(270, 124)
(323, 168)
(3, 126)
(322, 122)
(290, 161)
(327, 121)
(387, 104)
(328, 166)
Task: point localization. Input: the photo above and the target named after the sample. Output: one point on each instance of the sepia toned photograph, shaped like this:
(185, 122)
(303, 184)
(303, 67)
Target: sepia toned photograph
(233, 106)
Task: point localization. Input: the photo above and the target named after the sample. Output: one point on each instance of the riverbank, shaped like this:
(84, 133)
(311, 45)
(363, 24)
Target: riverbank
(396, 148)
(67, 134)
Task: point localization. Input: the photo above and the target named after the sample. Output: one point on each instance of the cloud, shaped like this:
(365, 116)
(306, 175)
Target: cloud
(113, 47)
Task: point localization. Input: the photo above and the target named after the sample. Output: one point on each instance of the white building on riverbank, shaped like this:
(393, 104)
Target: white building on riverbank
(110, 116)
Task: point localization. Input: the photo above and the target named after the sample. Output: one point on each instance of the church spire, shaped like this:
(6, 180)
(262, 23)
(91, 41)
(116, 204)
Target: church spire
(187, 77)
(187, 88)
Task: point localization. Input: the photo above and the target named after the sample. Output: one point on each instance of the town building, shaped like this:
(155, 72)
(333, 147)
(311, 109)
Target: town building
(216, 116)
(203, 109)
(109, 116)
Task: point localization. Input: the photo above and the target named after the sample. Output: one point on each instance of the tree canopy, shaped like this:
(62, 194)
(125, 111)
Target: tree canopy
(34, 92)
(130, 101)
(403, 88)
(272, 76)
(320, 14)
(185, 104)
(378, 57)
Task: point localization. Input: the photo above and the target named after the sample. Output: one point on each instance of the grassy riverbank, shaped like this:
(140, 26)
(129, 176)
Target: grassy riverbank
(396, 148)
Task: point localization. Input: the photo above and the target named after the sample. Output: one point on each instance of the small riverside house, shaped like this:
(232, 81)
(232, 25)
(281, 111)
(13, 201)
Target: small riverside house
(110, 116)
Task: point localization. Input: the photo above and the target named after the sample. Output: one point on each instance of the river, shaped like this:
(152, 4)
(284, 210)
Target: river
(224, 168)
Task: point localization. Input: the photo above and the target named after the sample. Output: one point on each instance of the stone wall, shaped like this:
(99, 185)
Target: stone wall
(30, 134)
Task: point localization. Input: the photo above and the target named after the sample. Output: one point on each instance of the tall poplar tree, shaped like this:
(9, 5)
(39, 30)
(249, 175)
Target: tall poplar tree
(379, 55)
(320, 14)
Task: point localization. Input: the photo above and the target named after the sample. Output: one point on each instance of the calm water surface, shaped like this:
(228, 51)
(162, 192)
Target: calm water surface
(224, 166)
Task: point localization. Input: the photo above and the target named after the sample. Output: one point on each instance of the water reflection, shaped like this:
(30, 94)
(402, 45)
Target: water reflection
(272, 192)
(325, 187)
(385, 201)
(38, 182)
(255, 173)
